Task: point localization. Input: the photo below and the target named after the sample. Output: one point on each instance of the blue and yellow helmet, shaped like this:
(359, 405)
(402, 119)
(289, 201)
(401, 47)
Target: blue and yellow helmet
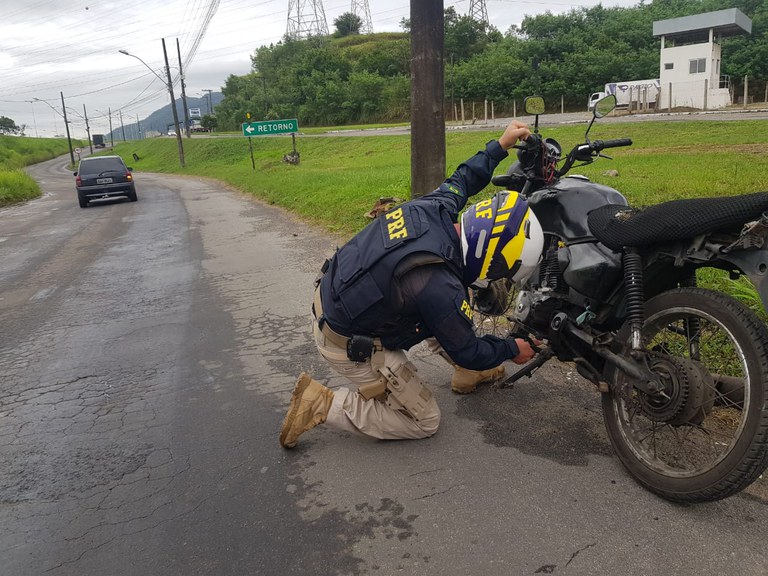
(500, 238)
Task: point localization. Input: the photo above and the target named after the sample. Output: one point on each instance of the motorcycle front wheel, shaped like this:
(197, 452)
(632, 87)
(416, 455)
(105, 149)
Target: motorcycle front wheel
(492, 308)
(706, 437)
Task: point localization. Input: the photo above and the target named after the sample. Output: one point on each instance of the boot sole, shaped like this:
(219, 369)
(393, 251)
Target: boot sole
(301, 386)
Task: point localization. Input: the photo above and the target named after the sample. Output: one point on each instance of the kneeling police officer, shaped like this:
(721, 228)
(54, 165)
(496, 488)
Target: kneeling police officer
(404, 279)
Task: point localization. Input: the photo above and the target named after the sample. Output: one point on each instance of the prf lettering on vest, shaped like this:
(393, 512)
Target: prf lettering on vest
(466, 309)
(396, 227)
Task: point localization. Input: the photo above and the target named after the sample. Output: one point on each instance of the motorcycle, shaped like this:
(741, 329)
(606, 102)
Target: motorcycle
(682, 370)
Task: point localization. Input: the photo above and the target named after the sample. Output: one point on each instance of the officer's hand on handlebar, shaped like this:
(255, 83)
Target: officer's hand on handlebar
(525, 351)
(515, 131)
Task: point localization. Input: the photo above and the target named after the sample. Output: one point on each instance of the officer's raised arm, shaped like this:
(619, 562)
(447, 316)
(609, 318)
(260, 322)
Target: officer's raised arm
(474, 174)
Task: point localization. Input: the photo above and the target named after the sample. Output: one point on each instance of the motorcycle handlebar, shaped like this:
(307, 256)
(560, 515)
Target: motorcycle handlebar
(598, 145)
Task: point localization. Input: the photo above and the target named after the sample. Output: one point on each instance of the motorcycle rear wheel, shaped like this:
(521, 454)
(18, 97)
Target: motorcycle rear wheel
(709, 438)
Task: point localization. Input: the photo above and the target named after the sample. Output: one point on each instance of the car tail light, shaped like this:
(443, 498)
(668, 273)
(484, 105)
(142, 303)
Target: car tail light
(128, 176)
(79, 181)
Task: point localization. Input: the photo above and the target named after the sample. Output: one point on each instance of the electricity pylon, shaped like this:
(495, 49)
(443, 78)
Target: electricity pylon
(306, 18)
(478, 11)
(361, 9)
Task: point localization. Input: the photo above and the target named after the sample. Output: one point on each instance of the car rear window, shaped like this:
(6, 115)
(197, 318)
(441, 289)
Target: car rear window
(98, 165)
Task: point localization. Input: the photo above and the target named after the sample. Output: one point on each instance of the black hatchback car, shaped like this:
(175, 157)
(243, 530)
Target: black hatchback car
(103, 177)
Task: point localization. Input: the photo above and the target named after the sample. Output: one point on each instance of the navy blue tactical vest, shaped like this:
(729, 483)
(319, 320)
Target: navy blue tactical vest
(360, 291)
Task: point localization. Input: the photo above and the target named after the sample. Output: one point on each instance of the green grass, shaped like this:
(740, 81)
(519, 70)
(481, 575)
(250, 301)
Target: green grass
(17, 186)
(340, 177)
(15, 153)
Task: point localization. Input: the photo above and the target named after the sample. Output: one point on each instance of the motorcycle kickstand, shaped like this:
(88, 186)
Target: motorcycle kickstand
(528, 369)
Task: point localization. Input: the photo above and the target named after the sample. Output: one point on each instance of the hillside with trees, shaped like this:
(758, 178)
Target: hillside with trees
(347, 78)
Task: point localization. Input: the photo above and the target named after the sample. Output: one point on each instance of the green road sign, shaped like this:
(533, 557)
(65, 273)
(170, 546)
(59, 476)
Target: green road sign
(270, 127)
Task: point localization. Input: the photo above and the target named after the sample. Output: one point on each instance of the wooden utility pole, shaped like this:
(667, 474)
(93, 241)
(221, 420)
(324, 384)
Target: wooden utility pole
(427, 115)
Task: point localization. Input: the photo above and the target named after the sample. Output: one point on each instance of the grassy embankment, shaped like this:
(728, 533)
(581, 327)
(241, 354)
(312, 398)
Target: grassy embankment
(340, 178)
(15, 153)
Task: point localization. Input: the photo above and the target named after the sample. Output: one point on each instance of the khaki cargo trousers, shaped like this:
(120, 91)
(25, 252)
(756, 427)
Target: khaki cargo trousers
(374, 417)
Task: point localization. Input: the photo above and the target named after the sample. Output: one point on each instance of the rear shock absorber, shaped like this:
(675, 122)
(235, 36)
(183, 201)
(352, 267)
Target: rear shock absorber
(692, 324)
(633, 283)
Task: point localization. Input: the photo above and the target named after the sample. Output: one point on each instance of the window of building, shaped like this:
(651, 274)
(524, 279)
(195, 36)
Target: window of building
(697, 66)
(669, 66)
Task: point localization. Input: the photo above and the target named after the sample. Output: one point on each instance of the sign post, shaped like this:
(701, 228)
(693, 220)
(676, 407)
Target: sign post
(250, 145)
(269, 127)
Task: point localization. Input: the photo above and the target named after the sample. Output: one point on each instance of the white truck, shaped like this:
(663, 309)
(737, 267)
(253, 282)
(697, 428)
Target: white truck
(641, 92)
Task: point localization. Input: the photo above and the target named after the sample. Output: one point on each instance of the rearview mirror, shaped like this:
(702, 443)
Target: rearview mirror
(605, 106)
(534, 105)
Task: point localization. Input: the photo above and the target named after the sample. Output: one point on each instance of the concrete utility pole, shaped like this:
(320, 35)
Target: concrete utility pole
(210, 105)
(66, 125)
(111, 137)
(122, 126)
(173, 108)
(427, 117)
(87, 129)
(183, 93)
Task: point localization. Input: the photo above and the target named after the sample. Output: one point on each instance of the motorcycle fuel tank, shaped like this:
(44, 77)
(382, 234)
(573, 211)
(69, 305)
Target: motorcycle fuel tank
(562, 208)
(586, 265)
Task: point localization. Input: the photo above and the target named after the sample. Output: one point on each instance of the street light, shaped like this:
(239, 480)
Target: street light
(66, 122)
(34, 121)
(56, 112)
(170, 91)
(145, 64)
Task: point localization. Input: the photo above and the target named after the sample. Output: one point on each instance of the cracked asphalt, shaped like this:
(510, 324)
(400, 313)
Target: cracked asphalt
(147, 354)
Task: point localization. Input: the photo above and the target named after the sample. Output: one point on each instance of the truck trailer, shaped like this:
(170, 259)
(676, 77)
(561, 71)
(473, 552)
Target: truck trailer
(98, 141)
(635, 92)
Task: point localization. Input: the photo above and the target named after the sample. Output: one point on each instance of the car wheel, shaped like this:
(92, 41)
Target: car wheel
(83, 202)
(132, 195)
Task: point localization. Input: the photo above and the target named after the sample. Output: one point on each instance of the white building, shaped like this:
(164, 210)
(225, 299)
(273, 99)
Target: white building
(690, 58)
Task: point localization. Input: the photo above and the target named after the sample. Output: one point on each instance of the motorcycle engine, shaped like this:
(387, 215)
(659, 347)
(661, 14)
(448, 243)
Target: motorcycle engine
(535, 309)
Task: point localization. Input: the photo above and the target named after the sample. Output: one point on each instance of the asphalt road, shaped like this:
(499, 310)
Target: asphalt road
(147, 354)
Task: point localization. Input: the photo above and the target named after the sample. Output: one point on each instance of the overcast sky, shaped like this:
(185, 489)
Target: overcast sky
(71, 46)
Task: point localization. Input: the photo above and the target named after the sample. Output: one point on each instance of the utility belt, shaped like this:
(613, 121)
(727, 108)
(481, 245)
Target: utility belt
(359, 348)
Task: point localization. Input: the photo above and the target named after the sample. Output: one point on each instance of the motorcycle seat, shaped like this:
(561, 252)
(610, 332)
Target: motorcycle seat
(618, 226)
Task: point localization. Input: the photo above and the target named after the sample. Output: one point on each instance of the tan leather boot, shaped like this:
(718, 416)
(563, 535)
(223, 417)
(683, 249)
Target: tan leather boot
(309, 407)
(465, 381)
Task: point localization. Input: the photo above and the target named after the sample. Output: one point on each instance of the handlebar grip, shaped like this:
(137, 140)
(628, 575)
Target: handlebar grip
(618, 142)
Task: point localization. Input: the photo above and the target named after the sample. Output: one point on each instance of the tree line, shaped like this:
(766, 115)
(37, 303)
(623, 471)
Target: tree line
(348, 77)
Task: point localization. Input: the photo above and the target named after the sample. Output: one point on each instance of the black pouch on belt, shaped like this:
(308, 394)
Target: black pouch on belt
(360, 348)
